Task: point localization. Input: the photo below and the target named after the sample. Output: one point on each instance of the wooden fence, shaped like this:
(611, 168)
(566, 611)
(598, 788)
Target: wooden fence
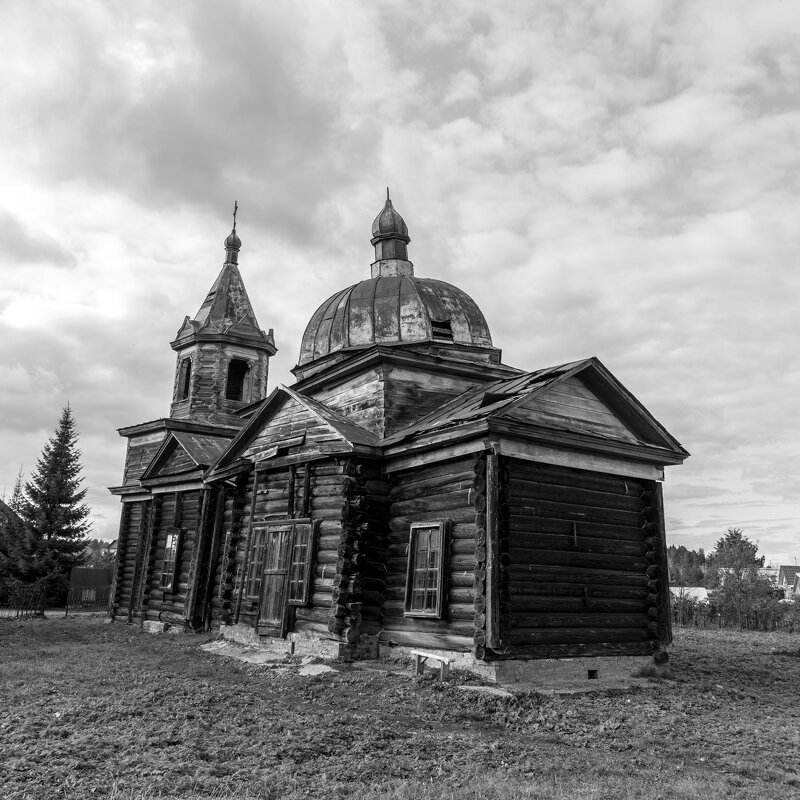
(22, 602)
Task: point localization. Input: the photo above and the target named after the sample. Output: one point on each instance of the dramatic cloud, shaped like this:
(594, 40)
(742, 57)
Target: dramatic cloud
(616, 179)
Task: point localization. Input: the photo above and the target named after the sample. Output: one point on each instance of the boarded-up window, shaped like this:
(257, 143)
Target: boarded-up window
(426, 577)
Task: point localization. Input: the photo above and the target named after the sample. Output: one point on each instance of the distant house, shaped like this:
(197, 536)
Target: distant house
(787, 575)
(697, 593)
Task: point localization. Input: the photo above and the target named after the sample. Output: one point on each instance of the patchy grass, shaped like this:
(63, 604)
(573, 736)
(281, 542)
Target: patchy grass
(94, 710)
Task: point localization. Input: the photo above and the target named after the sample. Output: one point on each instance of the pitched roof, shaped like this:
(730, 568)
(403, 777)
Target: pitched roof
(349, 431)
(787, 572)
(202, 450)
(500, 398)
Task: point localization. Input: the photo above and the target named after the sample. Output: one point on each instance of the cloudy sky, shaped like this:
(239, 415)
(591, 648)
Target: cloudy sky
(616, 179)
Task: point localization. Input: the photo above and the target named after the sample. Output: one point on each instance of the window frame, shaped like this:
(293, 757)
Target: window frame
(184, 387)
(174, 532)
(438, 611)
(258, 546)
(244, 386)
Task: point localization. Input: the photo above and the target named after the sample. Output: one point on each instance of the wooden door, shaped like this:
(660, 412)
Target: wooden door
(272, 615)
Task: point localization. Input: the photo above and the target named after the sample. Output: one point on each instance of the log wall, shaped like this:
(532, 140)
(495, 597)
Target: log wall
(128, 545)
(173, 602)
(582, 564)
(442, 491)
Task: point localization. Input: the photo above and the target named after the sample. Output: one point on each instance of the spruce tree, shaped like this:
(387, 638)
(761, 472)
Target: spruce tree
(54, 513)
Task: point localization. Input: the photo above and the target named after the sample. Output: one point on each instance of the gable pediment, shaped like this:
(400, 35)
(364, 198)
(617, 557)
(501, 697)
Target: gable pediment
(182, 453)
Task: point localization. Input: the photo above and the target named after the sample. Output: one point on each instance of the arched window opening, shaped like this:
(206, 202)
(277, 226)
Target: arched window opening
(237, 385)
(185, 379)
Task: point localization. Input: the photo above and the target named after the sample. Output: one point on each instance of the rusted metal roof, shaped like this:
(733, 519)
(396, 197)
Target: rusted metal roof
(394, 308)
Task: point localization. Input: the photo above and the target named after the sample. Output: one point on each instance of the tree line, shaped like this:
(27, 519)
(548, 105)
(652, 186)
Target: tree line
(738, 593)
(44, 525)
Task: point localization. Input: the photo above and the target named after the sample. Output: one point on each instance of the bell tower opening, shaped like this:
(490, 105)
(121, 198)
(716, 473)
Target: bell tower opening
(237, 385)
(184, 379)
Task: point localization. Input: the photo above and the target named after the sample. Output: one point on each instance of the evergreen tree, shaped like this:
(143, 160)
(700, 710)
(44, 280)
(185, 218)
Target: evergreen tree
(11, 529)
(55, 516)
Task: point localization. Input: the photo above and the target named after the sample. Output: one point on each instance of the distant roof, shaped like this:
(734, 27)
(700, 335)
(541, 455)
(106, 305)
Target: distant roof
(696, 593)
(787, 572)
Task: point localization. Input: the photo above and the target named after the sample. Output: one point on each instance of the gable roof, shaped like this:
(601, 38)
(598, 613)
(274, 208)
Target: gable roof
(349, 432)
(199, 451)
(786, 574)
(499, 400)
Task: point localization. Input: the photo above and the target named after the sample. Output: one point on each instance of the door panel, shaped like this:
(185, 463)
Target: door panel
(275, 581)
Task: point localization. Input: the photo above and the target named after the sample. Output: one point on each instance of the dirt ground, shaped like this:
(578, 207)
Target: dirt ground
(104, 710)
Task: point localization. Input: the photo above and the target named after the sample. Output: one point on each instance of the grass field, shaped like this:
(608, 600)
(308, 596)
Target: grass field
(97, 710)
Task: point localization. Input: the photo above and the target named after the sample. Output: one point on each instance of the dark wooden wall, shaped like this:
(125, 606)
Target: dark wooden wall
(128, 544)
(441, 491)
(579, 559)
(170, 605)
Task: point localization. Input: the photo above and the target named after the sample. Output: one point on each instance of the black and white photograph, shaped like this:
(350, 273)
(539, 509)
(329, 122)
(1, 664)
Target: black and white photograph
(400, 400)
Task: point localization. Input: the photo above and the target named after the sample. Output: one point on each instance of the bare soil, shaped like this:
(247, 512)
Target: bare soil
(99, 710)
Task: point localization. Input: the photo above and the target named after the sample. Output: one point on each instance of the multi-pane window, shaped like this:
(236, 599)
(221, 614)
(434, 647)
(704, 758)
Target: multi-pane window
(300, 565)
(283, 555)
(170, 560)
(425, 580)
(256, 565)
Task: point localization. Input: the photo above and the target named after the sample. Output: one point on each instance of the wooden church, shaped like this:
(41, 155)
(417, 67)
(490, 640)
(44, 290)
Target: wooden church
(408, 490)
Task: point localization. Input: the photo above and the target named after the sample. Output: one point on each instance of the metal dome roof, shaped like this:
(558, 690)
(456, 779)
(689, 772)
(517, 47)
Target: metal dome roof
(390, 309)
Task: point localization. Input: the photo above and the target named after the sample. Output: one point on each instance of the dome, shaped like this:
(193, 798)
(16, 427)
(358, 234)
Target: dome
(233, 242)
(389, 224)
(391, 309)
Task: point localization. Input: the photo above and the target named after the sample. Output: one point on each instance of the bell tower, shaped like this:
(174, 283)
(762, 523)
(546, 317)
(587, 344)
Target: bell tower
(223, 355)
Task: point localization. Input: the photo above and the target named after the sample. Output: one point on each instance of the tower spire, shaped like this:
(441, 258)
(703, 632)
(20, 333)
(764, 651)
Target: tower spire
(390, 239)
(233, 243)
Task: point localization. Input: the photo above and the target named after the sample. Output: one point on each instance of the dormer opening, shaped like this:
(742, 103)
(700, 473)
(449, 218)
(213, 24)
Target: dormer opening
(238, 383)
(184, 379)
(441, 330)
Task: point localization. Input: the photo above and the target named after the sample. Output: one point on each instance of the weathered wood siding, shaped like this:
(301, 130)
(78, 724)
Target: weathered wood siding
(579, 558)
(411, 394)
(572, 406)
(281, 495)
(442, 491)
(139, 455)
(293, 430)
(128, 544)
(172, 602)
(361, 398)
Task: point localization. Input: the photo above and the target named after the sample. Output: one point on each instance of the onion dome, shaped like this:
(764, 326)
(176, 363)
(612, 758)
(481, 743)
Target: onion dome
(393, 306)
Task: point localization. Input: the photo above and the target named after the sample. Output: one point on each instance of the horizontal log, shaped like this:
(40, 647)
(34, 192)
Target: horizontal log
(575, 577)
(582, 542)
(437, 641)
(396, 621)
(579, 619)
(435, 475)
(460, 515)
(577, 650)
(563, 476)
(438, 503)
(528, 604)
(577, 635)
(522, 558)
(575, 495)
(541, 509)
(318, 615)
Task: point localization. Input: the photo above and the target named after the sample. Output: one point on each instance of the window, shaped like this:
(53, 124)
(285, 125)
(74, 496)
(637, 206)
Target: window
(256, 566)
(170, 561)
(441, 330)
(238, 373)
(284, 553)
(425, 580)
(184, 379)
(300, 565)
(169, 566)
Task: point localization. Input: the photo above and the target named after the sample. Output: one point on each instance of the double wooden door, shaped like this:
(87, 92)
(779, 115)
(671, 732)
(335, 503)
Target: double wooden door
(285, 565)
